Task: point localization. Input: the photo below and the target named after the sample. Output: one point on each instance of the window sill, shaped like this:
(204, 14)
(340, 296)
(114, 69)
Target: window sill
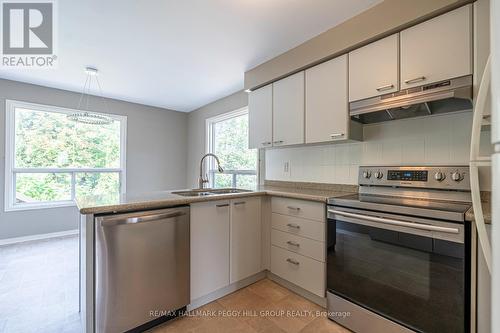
(35, 206)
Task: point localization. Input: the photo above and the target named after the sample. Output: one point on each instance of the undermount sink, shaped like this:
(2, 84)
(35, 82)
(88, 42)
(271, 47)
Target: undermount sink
(228, 190)
(207, 192)
(193, 193)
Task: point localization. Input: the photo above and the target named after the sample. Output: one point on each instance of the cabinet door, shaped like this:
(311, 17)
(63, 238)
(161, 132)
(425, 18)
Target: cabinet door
(374, 69)
(260, 117)
(288, 110)
(209, 247)
(437, 49)
(327, 114)
(245, 238)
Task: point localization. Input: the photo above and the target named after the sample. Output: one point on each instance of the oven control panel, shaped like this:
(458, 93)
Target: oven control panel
(408, 175)
(434, 177)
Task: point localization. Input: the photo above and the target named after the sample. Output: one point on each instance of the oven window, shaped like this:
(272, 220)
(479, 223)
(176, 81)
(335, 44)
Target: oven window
(414, 280)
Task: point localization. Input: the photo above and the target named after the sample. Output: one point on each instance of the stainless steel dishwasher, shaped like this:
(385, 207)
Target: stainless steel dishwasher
(141, 267)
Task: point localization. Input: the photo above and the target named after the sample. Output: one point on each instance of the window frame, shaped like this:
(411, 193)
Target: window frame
(11, 171)
(209, 146)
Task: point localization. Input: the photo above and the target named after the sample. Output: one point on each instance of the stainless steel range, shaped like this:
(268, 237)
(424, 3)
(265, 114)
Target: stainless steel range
(399, 252)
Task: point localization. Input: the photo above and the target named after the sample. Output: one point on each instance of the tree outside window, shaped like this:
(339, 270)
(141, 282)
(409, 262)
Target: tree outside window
(228, 139)
(53, 159)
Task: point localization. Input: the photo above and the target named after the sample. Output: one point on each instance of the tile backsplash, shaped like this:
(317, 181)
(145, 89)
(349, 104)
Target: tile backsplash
(435, 140)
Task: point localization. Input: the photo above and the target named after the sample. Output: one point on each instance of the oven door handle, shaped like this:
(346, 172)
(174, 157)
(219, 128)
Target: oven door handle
(396, 222)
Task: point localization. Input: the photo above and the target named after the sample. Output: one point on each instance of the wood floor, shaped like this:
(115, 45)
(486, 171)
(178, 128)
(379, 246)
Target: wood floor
(263, 307)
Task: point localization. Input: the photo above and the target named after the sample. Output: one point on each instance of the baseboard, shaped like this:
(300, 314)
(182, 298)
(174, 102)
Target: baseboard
(225, 291)
(15, 240)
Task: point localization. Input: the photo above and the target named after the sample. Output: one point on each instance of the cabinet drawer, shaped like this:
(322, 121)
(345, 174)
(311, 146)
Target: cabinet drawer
(302, 271)
(299, 208)
(297, 226)
(301, 245)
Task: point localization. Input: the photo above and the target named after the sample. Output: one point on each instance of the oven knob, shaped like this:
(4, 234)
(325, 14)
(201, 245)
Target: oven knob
(367, 174)
(456, 176)
(439, 176)
(379, 175)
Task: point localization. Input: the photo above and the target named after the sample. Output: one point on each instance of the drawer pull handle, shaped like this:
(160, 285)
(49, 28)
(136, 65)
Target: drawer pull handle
(267, 143)
(293, 208)
(294, 262)
(293, 243)
(222, 205)
(278, 142)
(415, 80)
(240, 203)
(386, 87)
(336, 135)
(291, 225)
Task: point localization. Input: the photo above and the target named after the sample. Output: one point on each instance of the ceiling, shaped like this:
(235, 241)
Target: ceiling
(179, 54)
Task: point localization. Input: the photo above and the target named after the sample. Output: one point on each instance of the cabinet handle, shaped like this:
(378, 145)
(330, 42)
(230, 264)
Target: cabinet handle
(293, 243)
(417, 79)
(293, 208)
(291, 261)
(278, 142)
(267, 143)
(386, 87)
(336, 135)
(240, 203)
(291, 225)
(222, 205)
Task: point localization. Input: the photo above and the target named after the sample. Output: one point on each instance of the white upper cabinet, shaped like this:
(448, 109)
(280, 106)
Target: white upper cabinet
(327, 115)
(288, 110)
(374, 69)
(260, 117)
(437, 49)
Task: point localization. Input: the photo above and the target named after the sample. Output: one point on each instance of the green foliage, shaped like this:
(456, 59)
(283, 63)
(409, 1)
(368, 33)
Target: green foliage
(50, 140)
(43, 186)
(97, 183)
(231, 146)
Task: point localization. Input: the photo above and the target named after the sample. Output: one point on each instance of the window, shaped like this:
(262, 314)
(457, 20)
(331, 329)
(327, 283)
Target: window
(51, 159)
(227, 137)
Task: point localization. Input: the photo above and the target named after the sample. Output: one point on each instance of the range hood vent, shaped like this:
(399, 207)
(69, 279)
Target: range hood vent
(443, 97)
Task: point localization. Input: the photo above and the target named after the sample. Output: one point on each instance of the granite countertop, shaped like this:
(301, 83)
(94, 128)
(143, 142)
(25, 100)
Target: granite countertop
(115, 203)
(469, 216)
(486, 205)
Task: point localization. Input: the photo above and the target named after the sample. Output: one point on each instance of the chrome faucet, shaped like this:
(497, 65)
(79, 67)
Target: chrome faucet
(202, 181)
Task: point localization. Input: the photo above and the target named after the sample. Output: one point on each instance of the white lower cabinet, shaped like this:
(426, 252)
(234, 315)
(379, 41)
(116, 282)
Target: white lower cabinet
(300, 270)
(246, 247)
(298, 247)
(299, 208)
(227, 236)
(298, 226)
(301, 245)
(225, 243)
(209, 247)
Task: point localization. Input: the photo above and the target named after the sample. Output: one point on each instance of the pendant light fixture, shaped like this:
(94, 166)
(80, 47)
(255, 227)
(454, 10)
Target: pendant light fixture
(85, 115)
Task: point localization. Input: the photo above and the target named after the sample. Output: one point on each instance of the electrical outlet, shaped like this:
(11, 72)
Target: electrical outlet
(286, 169)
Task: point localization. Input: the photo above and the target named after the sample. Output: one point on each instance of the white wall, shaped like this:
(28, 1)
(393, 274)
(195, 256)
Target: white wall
(156, 154)
(443, 139)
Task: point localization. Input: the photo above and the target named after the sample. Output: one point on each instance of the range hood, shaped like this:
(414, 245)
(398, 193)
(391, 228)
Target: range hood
(437, 98)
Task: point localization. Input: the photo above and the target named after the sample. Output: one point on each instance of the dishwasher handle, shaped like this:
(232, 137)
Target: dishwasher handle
(118, 220)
